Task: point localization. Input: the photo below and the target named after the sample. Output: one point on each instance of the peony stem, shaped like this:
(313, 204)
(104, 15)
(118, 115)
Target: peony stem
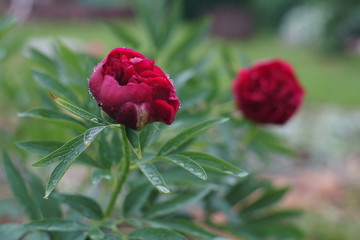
(124, 170)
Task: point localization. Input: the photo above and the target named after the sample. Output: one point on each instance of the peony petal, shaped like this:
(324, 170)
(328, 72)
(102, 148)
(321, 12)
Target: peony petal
(164, 112)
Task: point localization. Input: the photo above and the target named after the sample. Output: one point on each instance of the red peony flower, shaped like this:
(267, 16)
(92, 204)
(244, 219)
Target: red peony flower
(268, 92)
(132, 90)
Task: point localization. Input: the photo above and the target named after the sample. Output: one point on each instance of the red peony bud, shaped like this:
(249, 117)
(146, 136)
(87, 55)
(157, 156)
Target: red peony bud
(268, 92)
(132, 90)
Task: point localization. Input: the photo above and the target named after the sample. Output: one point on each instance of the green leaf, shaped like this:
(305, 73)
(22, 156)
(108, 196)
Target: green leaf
(185, 136)
(50, 208)
(124, 34)
(272, 217)
(66, 154)
(82, 204)
(43, 60)
(149, 233)
(52, 116)
(57, 225)
(148, 134)
(19, 189)
(194, 35)
(219, 204)
(270, 197)
(69, 57)
(133, 138)
(112, 236)
(53, 84)
(46, 147)
(79, 111)
(105, 152)
(7, 25)
(115, 146)
(136, 199)
(176, 203)
(271, 230)
(177, 176)
(37, 236)
(96, 234)
(187, 227)
(185, 163)
(71, 149)
(41, 147)
(99, 175)
(214, 163)
(12, 231)
(150, 171)
(243, 189)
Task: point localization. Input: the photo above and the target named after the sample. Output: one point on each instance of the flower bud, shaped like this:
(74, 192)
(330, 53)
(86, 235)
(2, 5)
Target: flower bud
(132, 90)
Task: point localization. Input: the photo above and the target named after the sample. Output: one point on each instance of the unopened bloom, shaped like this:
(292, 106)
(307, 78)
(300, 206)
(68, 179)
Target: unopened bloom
(268, 92)
(132, 90)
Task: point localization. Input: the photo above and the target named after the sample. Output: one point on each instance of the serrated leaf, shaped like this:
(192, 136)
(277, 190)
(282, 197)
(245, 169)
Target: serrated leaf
(150, 171)
(136, 199)
(57, 225)
(175, 203)
(149, 233)
(12, 231)
(185, 163)
(270, 197)
(215, 164)
(37, 236)
(79, 111)
(19, 189)
(187, 227)
(53, 85)
(52, 116)
(71, 149)
(188, 134)
(82, 204)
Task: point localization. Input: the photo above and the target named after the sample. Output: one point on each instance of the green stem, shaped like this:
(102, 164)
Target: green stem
(124, 170)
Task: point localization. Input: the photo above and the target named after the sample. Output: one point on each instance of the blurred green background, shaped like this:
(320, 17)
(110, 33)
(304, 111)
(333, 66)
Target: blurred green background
(320, 38)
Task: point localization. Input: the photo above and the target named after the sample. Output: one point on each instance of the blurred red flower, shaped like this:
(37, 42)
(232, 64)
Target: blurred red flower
(268, 92)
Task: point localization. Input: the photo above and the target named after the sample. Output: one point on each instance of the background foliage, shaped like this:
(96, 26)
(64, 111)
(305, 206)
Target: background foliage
(194, 61)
